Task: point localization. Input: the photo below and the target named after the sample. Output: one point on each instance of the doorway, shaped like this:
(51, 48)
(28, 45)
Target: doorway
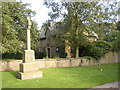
(48, 52)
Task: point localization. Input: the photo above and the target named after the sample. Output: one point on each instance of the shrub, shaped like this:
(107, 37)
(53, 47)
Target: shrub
(116, 43)
(62, 53)
(93, 51)
(111, 36)
(114, 38)
(12, 55)
(104, 45)
(96, 49)
(39, 54)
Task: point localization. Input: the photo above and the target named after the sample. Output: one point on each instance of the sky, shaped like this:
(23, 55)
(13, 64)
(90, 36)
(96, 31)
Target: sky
(40, 9)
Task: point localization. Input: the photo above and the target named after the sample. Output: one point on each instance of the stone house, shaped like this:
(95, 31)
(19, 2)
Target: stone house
(52, 46)
(49, 45)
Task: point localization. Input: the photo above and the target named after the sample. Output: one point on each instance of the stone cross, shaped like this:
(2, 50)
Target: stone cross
(29, 68)
(28, 33)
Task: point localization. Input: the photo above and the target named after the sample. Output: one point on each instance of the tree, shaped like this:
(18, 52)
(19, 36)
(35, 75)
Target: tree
(14, 24)
(111, 36)
(118, 25)
(81, 17)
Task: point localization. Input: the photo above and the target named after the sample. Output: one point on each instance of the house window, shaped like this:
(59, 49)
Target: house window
(57, 49)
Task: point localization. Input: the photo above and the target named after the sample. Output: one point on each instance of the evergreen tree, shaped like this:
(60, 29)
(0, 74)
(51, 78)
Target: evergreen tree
(14, 25)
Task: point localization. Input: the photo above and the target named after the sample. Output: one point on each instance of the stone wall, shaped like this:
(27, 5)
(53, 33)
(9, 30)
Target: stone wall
(110, 57)
(10, 65)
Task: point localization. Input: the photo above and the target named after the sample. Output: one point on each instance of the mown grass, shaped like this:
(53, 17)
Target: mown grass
(73, 77)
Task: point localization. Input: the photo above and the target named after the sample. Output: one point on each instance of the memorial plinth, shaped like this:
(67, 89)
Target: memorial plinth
(29, 56)
(29, 68)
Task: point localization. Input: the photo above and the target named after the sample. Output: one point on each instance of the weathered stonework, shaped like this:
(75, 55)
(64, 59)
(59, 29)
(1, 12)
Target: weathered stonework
(29, 75)
(63, 63)
(75, 63)
(85, 62)
(28, 56)
(29, 68)
(51, 64)
(54, 63)
(41, 64)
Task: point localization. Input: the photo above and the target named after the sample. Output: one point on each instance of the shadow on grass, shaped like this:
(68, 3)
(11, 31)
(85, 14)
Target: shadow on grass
(14, 73)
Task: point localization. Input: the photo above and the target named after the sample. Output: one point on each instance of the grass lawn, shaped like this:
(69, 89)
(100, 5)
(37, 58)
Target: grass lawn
(73, 77)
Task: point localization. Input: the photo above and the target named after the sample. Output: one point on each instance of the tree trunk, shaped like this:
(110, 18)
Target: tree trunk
(77, 52)
(67, 49)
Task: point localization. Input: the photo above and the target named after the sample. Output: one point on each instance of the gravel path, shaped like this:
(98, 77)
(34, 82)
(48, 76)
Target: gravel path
(111, 86)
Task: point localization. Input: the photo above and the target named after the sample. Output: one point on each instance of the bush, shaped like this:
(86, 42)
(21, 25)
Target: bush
(39, 54)
(104, 45)
(116, 43)
(92, 50)
(96, 49)
(12, 55)
(114, 38)
(111, 36)
(62, 53)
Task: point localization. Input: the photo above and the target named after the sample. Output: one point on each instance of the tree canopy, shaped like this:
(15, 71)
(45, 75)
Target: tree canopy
(14, 24)
(79, 17)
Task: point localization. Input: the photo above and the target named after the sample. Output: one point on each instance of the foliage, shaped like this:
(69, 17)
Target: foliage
(114, 38)
(118, 25)
(96, 49)
(92, 50)
(106, 46)
(73, 77)
(116, 43)
(62, 53)
(79, 17)
(111, 36)
(12, 56)
(87, 57)
(39, 55)
(14, 27)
